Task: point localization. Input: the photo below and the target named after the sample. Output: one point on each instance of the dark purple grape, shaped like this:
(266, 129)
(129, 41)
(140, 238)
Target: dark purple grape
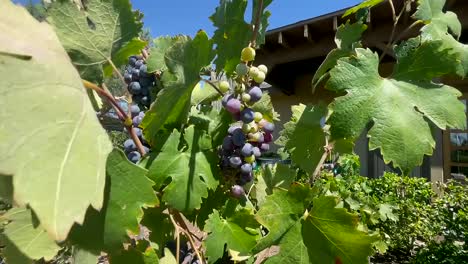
(255, 94)
(233, 105)
(144, 91)
(236, 116)
(247, 177)
(247, 115)
(264, 147)
(138, 64)
(135, 88)
(146, 81)
(247, 150)
(268, 137)
(226, 99)
(246, 168)
(233, 128)
(227, 144)
(134, 156)
(257, 153)
(145, 100)
(238, 137)
(127, 78)
(129, 145)
(134, 109)
(237, 191)
(135, 74)
(269, 127)
(144, 70)
(235, 162)
(132, 60)
(137, 120)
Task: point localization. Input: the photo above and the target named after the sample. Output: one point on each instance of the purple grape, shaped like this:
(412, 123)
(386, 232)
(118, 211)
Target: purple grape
(146, 81)
(246, 168)
(238, 137)
(134, 109)
(138, 64)
(134, 156)
(138, 132)
(135, 88)
(255, 94)
(247, 115)
(264, 147)
(135, 74)
(129, 145)
(235, 162)
(261, 138)
(145, 100)
(236, 116)
(233, 106)
(268, 137)
(247, 177)
(226, 99)
(137, 121)
(237, 191)
(141, 114)
(227, 144)
(269, 127)
(128, 78)
(233, 128)
(247, 150)
(257, 153)
(132, 60)
(143, 70)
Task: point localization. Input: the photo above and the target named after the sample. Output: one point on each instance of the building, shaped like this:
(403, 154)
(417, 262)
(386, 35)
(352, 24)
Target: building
(294, 52)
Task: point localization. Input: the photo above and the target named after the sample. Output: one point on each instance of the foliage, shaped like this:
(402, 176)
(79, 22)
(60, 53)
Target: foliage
(73, 196)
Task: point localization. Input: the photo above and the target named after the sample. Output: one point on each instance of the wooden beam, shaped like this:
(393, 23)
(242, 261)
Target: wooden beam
(282, 40)
(307, 34)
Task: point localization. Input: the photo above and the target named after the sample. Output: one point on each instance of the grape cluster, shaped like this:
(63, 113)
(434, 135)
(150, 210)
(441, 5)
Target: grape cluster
(129, 145)
(139, 80)
(250, 136)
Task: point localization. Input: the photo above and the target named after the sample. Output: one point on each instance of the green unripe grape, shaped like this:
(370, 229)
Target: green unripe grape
(260, 77)
(253, 72)
(258, 116)
(248, 54)
(254, 137)
(263, 68)
(253, 127)
(242, 69)
(240, 88)
(245, 97)
(246, 128)
(224, 86)
(250, 159)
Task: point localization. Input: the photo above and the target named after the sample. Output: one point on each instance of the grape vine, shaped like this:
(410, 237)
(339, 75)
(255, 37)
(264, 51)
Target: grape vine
(186, 184)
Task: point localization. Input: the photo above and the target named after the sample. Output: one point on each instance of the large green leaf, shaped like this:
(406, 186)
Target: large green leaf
(80, 256)
(397, 109)
(184, 60)
(203, 93)
(131, 48)
(191, 169)
(94, 35)
(156, 61)
(347, 38)
(25, 239)
(331, 234)
(239, 232)
(233, 33)
(130, 191)
(303, 136)
(438, 23)
(135, 256)
(160, 226)
(273, 176)
(6, 188)
(53, 145)
(215, 122)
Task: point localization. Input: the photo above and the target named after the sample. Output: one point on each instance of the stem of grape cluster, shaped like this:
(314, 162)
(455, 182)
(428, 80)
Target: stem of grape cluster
(328, 150)
(396, 19)
(214, 87)
(120, 112)
(256, 24)
(176, 227)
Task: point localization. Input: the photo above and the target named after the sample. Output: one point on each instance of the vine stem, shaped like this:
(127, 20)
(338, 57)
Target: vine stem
(185, 229)
(176, 227)
(396, 19)
(328, 150)
(256, 24)
(214, 86)
(126, 119)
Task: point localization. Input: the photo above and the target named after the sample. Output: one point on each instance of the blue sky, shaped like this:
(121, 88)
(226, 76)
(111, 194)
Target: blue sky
(172, 17)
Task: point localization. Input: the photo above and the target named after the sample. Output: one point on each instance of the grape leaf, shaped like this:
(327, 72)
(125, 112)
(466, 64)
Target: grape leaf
(130, 190)
(265, 15)
(347, 38)
(203, 93)
(265, 106)
(134, 256)
(184, 60)
(215, 122)
(162, 230)
(192, 169)
(397, 108)
(53, 145)
(331, 233)
(303, 136)
(364, 4)
(233, 33)
(93, 36)
(6, 188)
(168, 257)
(80, 256)
(25, 239)
(438, 23)
(239, 232)
(131, 48)
(155, 62)
(273, 176)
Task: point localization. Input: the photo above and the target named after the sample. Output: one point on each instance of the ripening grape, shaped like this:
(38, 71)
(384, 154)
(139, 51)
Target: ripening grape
(257, 152)
(247, 115)
(254, 137)
(240, 88)
(235, 162)
(237, 191)
(238, 138)
(248, 54)
(246, 168)
(263, 68)
(233, 128)
(224, 86)
(137, 120)
(226, 99)
(246, 128)
(134, 156)
(260, 77)
(253, 72)
(247, 150)
(245, 97)
(255, 94)
(128, 78)
(269, 127)
(265, 147)
(132, 60)
(135, 88)
(261, 138)
(233, 105)
(262, 123)
(258, 116)
(135, 110)
(129, 145)
(247, 177)
(242, 69)
(250, 159)
(135, 74)
(253, 127)
(138, 64)
(268, 137)
(227, 143)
